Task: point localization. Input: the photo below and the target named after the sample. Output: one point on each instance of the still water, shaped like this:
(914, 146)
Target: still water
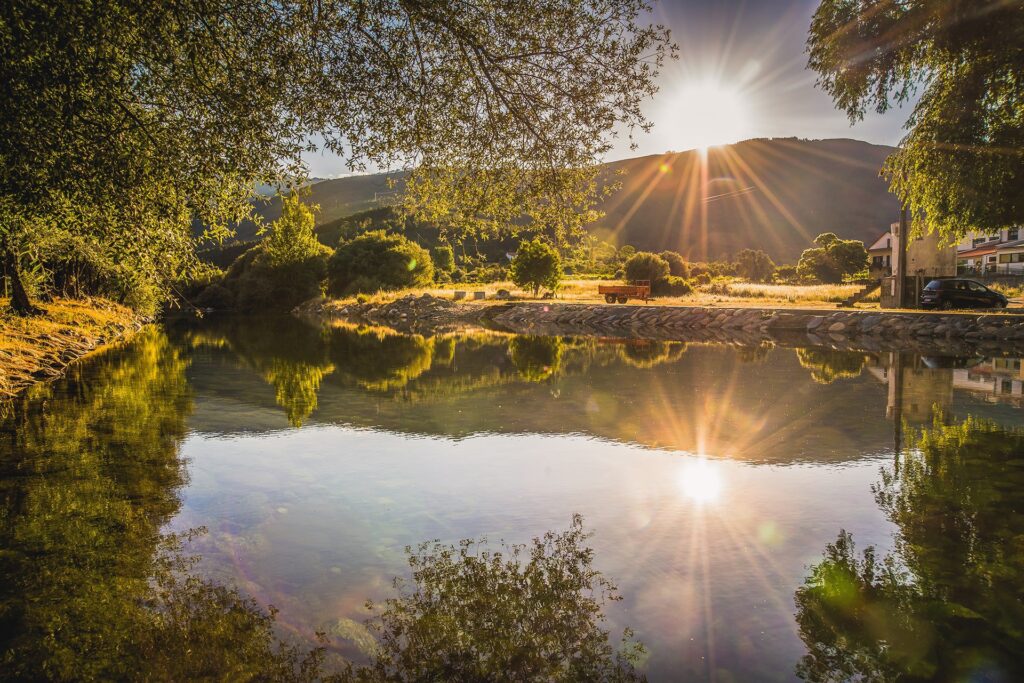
(732, 493)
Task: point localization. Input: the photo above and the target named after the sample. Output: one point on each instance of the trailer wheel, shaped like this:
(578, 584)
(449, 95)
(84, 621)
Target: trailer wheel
(609, 298)
(623, 299)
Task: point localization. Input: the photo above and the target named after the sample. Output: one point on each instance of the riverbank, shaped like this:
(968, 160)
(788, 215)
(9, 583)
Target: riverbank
(865, 329)
(39, 348)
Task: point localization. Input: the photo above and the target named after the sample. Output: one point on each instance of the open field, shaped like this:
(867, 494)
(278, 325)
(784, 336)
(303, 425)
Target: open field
(714, 294)
(40, 346)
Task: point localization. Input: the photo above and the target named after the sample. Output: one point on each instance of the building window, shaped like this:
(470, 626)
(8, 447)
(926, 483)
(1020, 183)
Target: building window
(1012, 234)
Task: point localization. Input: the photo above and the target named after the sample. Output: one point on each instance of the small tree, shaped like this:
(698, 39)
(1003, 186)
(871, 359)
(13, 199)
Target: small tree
(378, 260)
(646, 266)
(755, 265)
(443, 257)
(291, 238)
(832, 259)
(536, 264)
(676, 264)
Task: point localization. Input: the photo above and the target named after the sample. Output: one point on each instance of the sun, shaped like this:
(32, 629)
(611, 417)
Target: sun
(709, 113)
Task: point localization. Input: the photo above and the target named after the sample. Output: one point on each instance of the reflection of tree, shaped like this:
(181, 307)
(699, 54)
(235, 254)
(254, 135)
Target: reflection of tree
(295, 386)
(536, 358)
(828, 365)
(754, 354)
(91, 589)
(949, 603)
(380, 360)
(647, 353)
(473, 614)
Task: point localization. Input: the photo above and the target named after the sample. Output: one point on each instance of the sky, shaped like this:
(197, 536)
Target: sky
(741, 73)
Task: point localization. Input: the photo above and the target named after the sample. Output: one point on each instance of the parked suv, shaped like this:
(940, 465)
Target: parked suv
(960, 293)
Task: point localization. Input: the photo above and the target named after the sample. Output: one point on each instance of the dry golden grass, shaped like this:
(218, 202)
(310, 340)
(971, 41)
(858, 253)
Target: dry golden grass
(37, 345)
(717, 294)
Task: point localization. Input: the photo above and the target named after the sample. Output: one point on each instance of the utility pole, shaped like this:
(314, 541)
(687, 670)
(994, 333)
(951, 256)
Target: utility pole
(901, 259)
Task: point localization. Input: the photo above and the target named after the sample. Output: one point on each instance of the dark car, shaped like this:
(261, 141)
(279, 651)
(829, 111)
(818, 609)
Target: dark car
(959, 293)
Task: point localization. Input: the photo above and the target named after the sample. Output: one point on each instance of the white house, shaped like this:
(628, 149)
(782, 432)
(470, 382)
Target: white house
(1001, 251)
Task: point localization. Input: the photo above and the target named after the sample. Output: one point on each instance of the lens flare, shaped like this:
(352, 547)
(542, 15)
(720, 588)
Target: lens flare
(701, 481)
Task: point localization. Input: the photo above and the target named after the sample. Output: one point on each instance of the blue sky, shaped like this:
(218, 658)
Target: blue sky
(741, 74)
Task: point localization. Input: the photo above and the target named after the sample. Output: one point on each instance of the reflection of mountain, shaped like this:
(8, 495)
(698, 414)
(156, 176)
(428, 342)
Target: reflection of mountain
(718, 400)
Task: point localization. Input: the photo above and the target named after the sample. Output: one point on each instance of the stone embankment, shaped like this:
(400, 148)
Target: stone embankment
(866, 330)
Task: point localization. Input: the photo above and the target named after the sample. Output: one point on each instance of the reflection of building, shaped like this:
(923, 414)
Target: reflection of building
(997, 379)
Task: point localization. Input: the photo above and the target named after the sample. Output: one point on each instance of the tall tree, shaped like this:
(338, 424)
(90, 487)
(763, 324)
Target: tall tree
(961, 164)
(124, 120)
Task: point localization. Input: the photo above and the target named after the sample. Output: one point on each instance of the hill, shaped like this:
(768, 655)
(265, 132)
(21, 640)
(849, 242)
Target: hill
(772, 194)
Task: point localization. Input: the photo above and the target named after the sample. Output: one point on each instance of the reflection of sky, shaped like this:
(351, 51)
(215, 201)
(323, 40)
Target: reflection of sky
(707, 552)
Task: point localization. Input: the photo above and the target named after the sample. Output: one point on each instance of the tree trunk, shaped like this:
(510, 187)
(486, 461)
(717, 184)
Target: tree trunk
(20, 302)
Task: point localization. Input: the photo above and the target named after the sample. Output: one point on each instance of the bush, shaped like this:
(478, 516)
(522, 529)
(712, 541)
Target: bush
(755, 265)
(646, 266)
(377, 260)
(832, 259)
(671, 286)
(702, 278)
(785, 274)
(215, 296)
(536, 264)
(443, 258)
(258, 284)
(676, 264)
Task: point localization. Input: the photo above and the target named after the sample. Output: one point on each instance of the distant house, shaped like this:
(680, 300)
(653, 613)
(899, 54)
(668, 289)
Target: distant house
(880, 253)
(999, 252)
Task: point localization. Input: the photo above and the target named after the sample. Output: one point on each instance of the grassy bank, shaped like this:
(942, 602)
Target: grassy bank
(714, 294)
(40, 347)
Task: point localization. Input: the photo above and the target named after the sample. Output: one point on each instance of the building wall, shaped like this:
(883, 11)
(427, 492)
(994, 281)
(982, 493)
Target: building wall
(927, 256)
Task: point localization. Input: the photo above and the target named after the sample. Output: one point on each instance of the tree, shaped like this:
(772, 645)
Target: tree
(755, 265)
(535, 265)
(123, 121)
(376, 261)
(676, 264)
(443, 257)
(959, 167)
(644, 265)
(833, 259)
(523, 613)
(291, 238)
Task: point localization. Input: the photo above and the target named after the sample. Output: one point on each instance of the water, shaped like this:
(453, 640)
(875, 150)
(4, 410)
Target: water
(716, 481)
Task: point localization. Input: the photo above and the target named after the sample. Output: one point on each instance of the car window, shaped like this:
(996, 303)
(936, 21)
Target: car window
(933, 285)
(961, 286)
(975, 287)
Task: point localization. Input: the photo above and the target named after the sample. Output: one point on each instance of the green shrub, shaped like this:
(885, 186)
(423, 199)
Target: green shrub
(702, 278)
(671, 286)
(215, 296)
(377, 260)
(833, 259)
(443, 258)
(676, 264)
(536, 265)
(786, 274)
(646, 266)
(259, 284)
(755, 265)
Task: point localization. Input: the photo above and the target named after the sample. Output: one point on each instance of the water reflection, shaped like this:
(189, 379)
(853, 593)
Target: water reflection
(948, 603)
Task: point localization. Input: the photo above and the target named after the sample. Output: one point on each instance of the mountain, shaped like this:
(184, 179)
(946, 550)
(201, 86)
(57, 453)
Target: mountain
(771, 194)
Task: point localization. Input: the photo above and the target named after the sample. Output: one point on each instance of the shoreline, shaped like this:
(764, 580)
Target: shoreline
(964, 332)
(39, 349)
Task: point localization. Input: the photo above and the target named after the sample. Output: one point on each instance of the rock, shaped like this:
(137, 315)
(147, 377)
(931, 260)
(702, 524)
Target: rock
(837, 327)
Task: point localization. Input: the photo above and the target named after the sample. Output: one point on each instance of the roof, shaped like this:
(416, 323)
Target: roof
(980, 251)
(887, 233)
(1015, 244)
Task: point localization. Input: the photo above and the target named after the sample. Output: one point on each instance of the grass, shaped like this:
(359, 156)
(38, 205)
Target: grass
(38, 346)
(714, 294)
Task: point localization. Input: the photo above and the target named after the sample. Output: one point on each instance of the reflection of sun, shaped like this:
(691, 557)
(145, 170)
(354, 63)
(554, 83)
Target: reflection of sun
(700, 481)
(708, 113)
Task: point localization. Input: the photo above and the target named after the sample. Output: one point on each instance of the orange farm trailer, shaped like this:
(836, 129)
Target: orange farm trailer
(639, 289)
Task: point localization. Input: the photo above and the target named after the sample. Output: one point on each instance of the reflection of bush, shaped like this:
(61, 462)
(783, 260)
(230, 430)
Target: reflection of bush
(644, 353)
(295, 386)
(536, 358)
(473, 614)
(949, 599)
(828, 365)
(380, 360)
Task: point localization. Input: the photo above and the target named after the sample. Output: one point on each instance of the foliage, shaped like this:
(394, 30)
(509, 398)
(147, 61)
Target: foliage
(290, 239)
(785, 273)
(536, 358)
(754, 265)
(626, 252)
(444, 258)
(829, 365)
(125, 121)
(676, 264)
(375, 261)
(523, 612)
(671, 286)
(959, 167)
(536, 264)
(832, 259)
(647, 353)
(644, 265)
(378, 360)
(257, 284)
(947, 604)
